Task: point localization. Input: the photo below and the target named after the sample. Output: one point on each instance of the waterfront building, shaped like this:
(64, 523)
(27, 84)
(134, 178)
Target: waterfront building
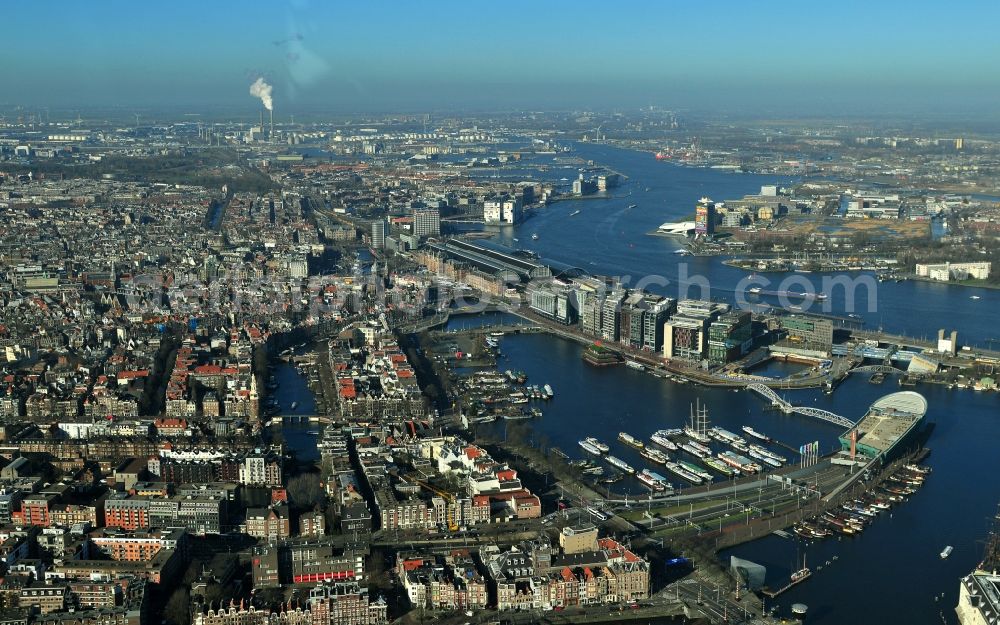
(611, 309)
(685, 334)
(506, 210)
(944, 272)
(890, 423)
(729, 337)
(704, 217)
(553, 300)
(653, 317)
(806, 335)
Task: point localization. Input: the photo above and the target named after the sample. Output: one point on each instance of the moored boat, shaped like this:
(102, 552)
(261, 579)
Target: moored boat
(628, 439)
(621, 464)
(588, 446)
(654, 455)
(680, 471)
(660, 438)
(754, 433)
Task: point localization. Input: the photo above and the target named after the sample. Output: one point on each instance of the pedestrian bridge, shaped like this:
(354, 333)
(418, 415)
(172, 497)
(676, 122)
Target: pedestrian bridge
(768, 393)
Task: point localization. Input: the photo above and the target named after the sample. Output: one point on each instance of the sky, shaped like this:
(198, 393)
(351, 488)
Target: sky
(412, 56)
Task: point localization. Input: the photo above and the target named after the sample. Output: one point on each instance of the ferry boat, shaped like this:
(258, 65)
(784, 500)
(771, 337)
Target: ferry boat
(660, 438)
(680, 471)
(693, 468)
(754, 433)
(621, 464)
(628, 439)
(654, 481)
(631, 364)
(694, 451)
(654, 455)
(548, 391)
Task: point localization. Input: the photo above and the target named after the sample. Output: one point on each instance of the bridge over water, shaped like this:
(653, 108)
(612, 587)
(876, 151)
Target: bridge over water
(768, 393)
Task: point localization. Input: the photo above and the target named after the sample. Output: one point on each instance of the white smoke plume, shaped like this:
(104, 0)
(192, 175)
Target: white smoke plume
(262, 90)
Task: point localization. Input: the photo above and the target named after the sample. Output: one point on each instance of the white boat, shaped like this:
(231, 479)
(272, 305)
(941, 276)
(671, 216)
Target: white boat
(649, 480)
(754, 290)
(598, 444)
(634, 365)
(628, 439)
(587, 446)
(548, 390)
(654, 455)
(765, 459)
(632, 205)
(576, 212)
(974, 297)
(534, 237)
(767, 452)
(294, 405)
(660, 438)
(754, 433)
(621, 464)
(694, 451)
(725, 436)
(947, 552)
(678, 470)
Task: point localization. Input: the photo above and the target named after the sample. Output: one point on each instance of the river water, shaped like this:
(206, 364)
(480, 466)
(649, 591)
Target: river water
(608, 238)
(892, 573)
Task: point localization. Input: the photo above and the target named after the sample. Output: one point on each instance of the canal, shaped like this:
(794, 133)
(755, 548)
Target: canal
(293, 387)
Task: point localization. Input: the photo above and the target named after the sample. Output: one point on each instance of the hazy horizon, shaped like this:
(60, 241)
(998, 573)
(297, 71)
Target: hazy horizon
(782, 57)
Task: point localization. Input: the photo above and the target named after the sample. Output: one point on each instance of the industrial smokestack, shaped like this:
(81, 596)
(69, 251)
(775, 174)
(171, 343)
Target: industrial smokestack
(261, 121)
(262, 90)
(270, 133)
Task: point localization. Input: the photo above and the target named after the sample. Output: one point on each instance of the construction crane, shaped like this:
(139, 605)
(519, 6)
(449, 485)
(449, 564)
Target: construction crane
(448, 497)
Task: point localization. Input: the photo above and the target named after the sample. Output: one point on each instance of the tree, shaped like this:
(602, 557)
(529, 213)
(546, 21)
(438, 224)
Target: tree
(178, 608)
(305, 490)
